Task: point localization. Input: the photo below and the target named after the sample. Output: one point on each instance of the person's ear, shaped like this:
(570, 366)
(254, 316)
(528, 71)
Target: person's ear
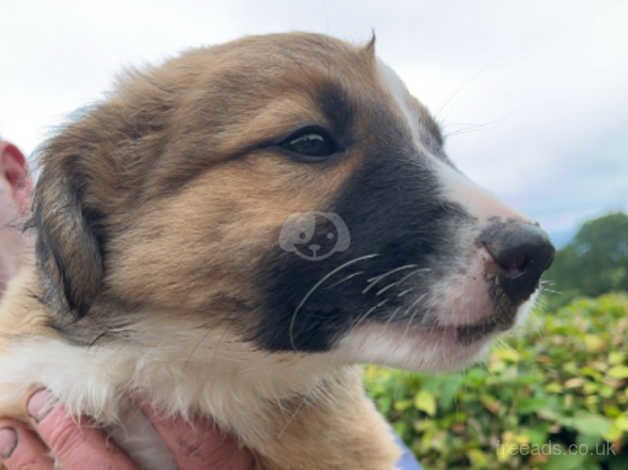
(15, 172)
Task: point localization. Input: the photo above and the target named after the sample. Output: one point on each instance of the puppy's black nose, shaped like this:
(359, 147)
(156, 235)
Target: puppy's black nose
(523, 252)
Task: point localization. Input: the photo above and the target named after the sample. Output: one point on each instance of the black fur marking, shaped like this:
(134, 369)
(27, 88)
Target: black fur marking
(393, 208)
(338, 107)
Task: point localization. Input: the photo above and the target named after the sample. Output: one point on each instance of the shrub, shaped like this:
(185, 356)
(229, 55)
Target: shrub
(562, 382)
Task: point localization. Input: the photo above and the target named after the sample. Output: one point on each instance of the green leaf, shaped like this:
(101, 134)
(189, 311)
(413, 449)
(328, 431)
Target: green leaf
(507, 354)
(384, 404)
(621, 423)
(594, 343)
(615, 357)
(618, 372)
(536, 436)
(591, 424)
(531, 405)
(402, 405)
(448, 390)
(564, 461)
(491, 403)
(478, 458)
(554, 387)
(425, 401)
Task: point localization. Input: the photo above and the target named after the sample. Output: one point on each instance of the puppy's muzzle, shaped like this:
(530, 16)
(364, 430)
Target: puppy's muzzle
(521, 252)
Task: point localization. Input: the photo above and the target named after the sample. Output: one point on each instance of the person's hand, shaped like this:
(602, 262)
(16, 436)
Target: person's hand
(194, 446)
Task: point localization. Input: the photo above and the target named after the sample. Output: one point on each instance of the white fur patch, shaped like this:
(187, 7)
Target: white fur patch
(456, 186)
(415, 348)
(180, 366)
(476, 200)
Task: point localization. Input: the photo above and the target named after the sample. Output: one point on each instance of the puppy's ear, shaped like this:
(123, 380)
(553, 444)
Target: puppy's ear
(69, 229)
(95, 168)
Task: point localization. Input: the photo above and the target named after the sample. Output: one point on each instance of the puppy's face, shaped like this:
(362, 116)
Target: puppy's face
(290, 189)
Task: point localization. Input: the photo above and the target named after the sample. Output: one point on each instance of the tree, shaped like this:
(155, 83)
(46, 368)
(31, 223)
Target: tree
(594, 262)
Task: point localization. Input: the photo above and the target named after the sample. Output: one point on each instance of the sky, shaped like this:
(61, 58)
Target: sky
(532, 95)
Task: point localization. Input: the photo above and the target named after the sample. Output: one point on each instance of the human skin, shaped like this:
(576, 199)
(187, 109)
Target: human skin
(51, 434)
(15, 190)
(194, 445)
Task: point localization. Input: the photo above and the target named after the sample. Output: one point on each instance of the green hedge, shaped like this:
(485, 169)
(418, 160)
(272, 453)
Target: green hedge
(561, 382)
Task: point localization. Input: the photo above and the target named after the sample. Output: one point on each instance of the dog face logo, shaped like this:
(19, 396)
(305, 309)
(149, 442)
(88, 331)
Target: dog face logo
(314, 235)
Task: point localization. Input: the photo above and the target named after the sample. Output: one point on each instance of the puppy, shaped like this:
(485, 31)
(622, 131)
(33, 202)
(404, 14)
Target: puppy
(184, 253)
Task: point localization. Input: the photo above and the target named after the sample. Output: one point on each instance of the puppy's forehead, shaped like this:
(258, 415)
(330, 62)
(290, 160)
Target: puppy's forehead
(302, 53)
(340, 80)
(240, 96)
(283, 62)
(277, 77)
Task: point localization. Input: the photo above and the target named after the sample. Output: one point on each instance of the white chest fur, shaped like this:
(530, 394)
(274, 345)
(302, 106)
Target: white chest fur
(180, 369)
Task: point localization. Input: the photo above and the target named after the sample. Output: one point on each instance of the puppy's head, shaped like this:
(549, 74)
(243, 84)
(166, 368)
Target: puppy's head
(290, 189)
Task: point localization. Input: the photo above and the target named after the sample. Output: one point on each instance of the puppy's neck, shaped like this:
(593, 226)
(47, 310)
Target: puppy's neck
(181, 361)
(282, 405)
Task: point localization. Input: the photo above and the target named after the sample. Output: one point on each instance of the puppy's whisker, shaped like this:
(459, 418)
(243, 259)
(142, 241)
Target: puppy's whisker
(345, 279)
(206, 332)
(316, 286)
(385, 288)
(219, 345)
(414, 313)
(400, 281)
(388, 273)
(374, 280)
(406, 291)
(302, 403)
(551, 291)
(368, 312)
(390, 319)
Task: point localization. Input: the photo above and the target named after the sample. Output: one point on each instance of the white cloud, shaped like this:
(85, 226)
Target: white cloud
(533, 92)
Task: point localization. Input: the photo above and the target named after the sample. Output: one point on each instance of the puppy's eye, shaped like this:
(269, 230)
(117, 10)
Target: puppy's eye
(310, 144)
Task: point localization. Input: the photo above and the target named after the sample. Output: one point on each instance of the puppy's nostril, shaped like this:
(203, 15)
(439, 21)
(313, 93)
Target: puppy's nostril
(512, 264)
(522, 251)
(517, 266)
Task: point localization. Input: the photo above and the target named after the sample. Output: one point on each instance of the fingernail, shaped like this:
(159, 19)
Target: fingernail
(8, 442)
(40, 404)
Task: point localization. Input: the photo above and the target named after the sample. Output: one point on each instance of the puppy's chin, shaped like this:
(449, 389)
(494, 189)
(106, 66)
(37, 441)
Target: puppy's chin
(423, 348)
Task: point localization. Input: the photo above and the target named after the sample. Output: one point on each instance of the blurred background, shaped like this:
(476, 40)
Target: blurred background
(533, 100)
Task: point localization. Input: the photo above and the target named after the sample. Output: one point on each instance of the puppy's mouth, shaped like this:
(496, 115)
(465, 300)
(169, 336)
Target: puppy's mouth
(452, 334)
(468, 334)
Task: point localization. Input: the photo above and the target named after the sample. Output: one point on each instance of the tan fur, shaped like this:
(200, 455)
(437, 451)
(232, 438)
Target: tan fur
(188, 204)
(292, 411)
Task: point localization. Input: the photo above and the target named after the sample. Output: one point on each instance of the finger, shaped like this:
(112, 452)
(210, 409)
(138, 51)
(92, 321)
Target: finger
(20, 448)
(74, 445)
(197, 444)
